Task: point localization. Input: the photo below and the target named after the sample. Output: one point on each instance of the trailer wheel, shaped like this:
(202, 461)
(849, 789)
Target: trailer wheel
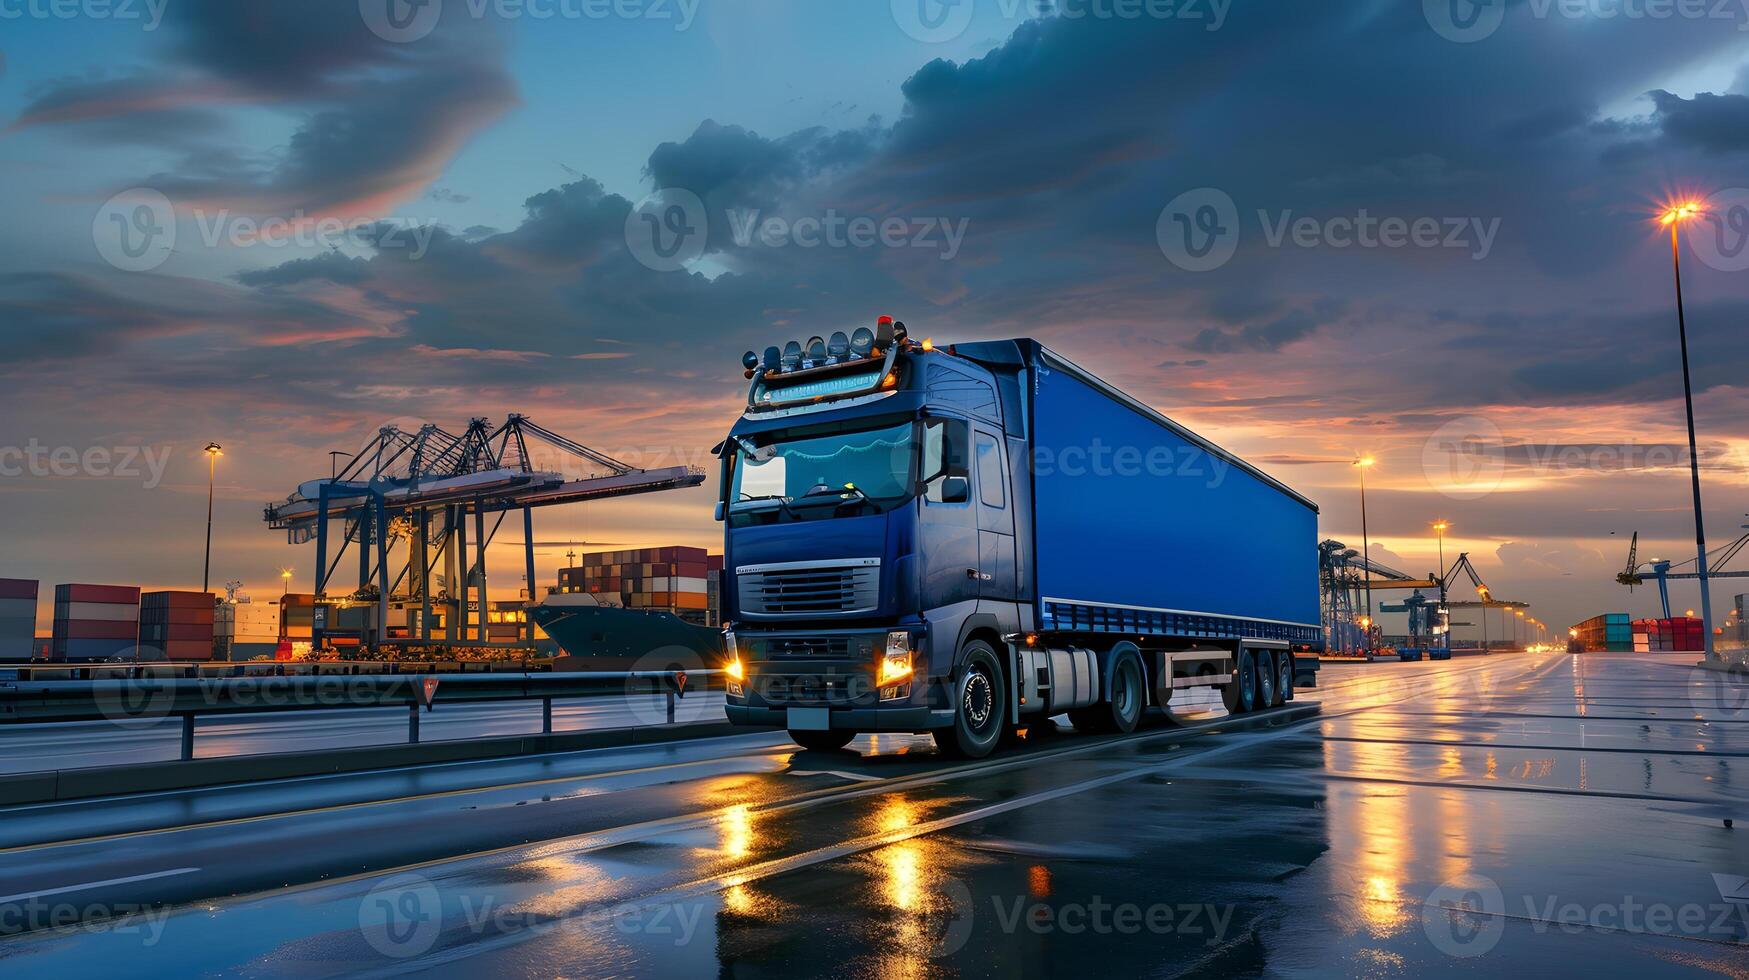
(1265, 660)
(1284, 673)
(827, 741)
(980, 712)
(1240, 694)
(1124, 711)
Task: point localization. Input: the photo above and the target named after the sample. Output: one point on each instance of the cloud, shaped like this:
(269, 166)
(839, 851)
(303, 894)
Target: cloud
(1712, 123)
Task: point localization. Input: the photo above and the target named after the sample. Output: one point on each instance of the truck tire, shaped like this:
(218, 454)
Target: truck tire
(1123, 712)
(1240, 694)
(1265, 660)
(980, 711)
(827, 741)
(1284, 677)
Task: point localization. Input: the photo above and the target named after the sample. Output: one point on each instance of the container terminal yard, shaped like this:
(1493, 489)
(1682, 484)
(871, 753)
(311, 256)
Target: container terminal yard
(912, 489)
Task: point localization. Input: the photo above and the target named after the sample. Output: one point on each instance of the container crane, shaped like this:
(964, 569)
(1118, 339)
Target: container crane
(1661, 569)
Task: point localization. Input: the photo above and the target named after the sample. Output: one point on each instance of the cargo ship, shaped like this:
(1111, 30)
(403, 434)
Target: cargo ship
(593, 636)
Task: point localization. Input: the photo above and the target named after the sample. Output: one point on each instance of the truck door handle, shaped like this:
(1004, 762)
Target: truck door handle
(973, 573)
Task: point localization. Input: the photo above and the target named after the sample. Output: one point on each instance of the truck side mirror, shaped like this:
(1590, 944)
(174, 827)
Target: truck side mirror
(719, 516)
(955, 490)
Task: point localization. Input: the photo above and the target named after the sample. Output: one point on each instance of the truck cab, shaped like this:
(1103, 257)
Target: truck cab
(879, 534)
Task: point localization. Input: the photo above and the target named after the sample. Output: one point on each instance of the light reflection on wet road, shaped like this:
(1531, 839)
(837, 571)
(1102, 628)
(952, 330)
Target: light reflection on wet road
(1549, 814)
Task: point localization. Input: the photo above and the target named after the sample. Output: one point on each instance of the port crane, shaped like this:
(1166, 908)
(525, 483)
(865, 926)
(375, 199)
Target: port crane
(1662, 569)
(1344, 574)
(418, 488)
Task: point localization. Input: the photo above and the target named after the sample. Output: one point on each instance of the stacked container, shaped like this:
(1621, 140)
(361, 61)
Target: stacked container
(245, 630)
(96, 622)
(17, 618)
(176, 626)
(1677, 634)
(1607, 632)
(673, 579)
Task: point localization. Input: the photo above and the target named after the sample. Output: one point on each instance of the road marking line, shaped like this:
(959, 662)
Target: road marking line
(22, 896)
(860, 777)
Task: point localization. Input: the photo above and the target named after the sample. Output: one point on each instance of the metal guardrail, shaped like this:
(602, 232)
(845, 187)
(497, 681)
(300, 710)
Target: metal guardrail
(262, 668)
(141, 701)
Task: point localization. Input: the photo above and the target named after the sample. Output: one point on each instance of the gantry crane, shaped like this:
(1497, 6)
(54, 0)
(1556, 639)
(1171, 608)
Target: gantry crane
(422, 486)
(1660, 568)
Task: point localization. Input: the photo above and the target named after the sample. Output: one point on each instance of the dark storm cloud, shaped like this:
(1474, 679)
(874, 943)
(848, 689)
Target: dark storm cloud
(1708, 122)
(330, 266)
(381, 119)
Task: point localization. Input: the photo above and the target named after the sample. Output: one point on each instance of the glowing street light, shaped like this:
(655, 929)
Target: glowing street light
(1674, 216)
(212, 469)
(285, 577)
(1440, 527)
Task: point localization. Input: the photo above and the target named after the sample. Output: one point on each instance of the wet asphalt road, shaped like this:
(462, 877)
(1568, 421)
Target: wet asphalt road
(29, 748)
(1544, 814)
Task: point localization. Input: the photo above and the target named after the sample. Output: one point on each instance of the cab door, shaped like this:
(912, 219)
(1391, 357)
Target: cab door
(948, 537)
(995, 509)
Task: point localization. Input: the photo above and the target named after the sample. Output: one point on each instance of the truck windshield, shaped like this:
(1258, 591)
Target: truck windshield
(867, 469)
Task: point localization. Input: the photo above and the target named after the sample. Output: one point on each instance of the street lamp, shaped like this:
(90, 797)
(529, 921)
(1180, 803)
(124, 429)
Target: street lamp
(1440, 527)
(1517, 629)
(285, 577)
(212, 469)
(1361, 463)
(1674, 216)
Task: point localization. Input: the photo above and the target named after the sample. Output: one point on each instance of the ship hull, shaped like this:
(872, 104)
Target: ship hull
(612, 638)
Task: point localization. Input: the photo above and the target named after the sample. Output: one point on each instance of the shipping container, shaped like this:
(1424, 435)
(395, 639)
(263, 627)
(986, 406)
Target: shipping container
(127, 594)
(1606, 632)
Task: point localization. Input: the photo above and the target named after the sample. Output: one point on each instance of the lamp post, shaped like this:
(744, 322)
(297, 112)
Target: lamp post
(1674, 217)
(1362, 462)
(1440, 527)
(212, 469)
(1518, 629)
(285, 577)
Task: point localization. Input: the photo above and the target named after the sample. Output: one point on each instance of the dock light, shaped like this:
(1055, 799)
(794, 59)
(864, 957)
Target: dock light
(1680, 212)
(792, 356)
(861, 342)
(838, 348)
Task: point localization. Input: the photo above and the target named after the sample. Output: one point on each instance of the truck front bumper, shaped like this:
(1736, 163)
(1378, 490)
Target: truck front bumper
(899, 718)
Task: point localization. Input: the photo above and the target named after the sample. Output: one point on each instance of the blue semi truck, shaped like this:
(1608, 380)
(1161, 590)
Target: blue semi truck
(964, 540)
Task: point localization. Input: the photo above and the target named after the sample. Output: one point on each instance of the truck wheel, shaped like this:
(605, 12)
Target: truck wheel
(980, 712)
(1265, 660)
(1284, 677)
(1124, 711)
(1240, 694)
(828, 741)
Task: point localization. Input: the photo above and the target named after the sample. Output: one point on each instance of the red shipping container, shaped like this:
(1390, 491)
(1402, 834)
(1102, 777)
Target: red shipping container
(99, 593)
(96, 629)
(178, 600)
(186, 650)
(17, 588)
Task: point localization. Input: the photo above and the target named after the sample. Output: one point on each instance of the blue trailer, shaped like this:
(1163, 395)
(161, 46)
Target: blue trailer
(961, 540)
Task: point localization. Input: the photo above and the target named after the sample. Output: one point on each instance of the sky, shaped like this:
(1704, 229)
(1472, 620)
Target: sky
(1420, 232)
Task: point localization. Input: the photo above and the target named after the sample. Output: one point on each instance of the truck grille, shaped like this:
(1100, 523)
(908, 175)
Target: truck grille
(834, 588)
(809, 646)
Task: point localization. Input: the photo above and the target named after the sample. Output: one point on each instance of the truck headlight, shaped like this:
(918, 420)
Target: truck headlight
(893, 673)
(733, 671)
